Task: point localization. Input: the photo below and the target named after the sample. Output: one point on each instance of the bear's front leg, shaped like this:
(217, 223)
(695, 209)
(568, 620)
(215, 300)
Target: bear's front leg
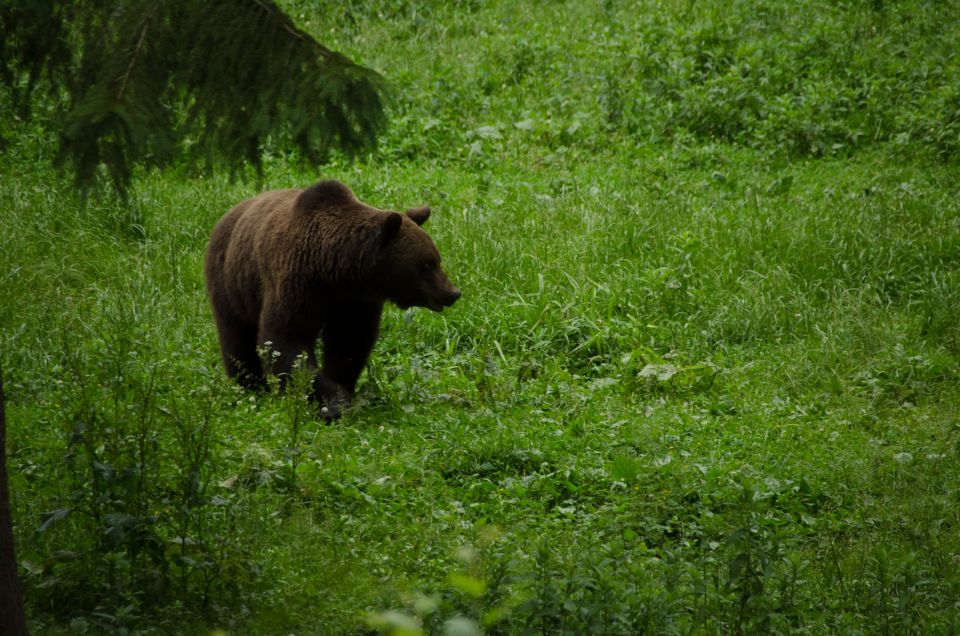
(349, 334)
(333, 396)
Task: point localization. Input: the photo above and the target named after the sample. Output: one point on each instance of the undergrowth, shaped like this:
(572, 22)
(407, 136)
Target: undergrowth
(702, 378)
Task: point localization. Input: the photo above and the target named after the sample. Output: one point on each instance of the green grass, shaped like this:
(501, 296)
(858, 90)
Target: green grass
(702, 378)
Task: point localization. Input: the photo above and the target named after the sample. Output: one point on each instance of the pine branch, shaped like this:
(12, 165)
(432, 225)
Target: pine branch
(232, 75)
(297, 33)
(133, 58)
(292, 88)
(120, 120)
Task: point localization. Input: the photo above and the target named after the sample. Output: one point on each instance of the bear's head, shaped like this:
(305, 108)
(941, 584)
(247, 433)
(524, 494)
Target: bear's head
(408, 270)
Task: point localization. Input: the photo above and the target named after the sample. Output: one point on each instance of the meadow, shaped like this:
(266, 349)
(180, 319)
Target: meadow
(703, 377)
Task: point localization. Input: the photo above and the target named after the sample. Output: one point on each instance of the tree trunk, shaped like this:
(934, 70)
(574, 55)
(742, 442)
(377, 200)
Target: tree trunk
(12, 621)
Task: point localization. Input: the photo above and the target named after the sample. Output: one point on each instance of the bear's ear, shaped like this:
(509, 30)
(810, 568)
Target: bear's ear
(390, 227)
(419, 215)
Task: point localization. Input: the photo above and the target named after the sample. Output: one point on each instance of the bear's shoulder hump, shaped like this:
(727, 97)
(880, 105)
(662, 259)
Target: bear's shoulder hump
(325, 195)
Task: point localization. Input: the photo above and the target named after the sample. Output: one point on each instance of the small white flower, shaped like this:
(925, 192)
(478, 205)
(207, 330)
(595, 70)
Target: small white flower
(903, 458)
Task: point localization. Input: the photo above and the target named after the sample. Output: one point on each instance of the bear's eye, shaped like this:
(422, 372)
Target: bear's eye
(428, 265)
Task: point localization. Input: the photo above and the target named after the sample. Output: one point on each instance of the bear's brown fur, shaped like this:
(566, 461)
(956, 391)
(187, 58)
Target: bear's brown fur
(291, 266)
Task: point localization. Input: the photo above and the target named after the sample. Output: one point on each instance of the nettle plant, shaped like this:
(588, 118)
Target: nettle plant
(136, 517)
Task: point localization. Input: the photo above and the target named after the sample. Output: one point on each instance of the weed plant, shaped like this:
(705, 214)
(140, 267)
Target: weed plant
(703, 377)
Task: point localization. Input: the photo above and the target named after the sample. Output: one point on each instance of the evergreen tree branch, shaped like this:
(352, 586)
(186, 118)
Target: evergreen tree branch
(133, 57)
(289, 28)
(230, 75)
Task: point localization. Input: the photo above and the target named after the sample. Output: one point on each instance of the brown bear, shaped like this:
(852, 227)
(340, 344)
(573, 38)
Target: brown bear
(290, 266)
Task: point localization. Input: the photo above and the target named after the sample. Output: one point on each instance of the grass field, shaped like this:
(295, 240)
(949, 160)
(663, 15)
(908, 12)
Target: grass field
(703, 377)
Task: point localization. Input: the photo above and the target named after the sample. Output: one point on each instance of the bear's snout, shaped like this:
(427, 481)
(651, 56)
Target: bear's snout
(444, 299)
(453, 297)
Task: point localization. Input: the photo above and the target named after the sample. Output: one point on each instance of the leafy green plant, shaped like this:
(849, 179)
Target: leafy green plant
(136, 518)
(702, 378)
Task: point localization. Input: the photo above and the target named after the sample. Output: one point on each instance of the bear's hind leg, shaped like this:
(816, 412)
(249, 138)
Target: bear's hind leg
(334, 397)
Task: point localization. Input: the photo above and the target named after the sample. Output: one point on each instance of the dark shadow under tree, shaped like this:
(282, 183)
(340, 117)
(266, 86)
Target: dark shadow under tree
(148, 82)
(12, 622)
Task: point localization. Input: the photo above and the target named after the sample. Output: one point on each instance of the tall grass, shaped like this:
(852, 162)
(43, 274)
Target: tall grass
(702, 378)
